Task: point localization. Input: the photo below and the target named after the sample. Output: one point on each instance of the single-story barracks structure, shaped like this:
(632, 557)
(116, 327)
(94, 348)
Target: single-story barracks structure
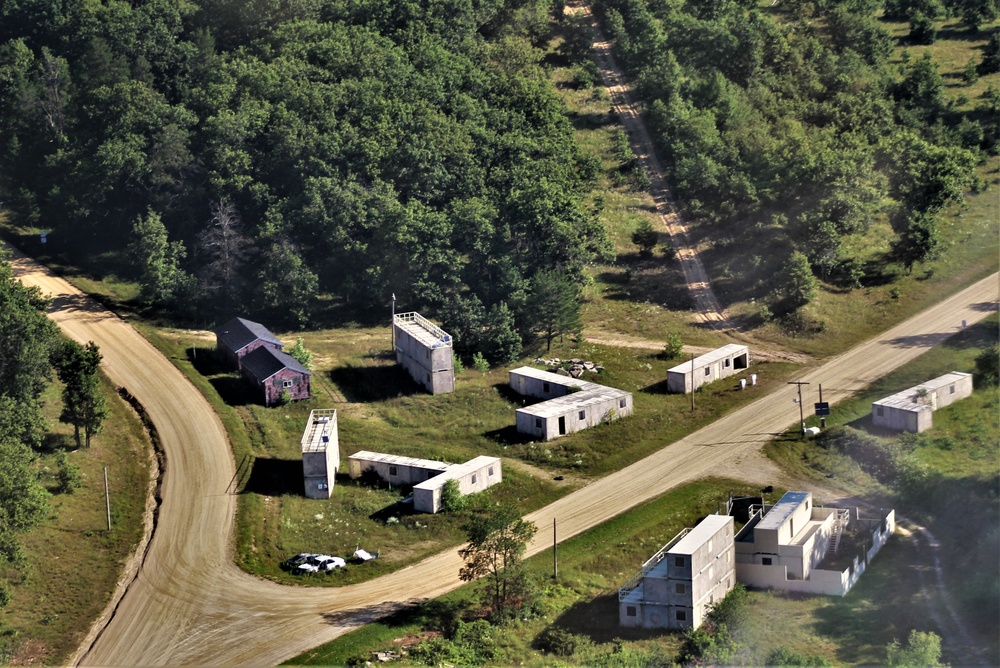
(572, 404)
(719, 363)
(424, 350)
(428, 476)
(782, 547)
(320, 453)
(912, 409)
(677, 586)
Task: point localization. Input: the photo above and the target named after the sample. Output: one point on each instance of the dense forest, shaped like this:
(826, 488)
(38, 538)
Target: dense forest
(786, 127)
(253, 155)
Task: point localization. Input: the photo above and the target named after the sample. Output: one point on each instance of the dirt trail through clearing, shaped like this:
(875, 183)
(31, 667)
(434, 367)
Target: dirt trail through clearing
(699, 287)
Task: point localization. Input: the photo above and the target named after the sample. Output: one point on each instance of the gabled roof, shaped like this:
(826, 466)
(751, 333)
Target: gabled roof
(238, 333)
(264, 362)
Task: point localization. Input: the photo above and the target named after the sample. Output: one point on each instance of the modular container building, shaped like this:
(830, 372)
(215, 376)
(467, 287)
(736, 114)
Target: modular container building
(573, 412)
(394, 468)
(424, 350)
(473, 476)
(531, 382)
(912, 409)
(711, 366)
(679, 584)
(320, 453)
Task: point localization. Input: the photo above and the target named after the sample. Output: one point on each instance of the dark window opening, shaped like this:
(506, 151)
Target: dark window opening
(766, 561)
(392, 470)
(630, 611)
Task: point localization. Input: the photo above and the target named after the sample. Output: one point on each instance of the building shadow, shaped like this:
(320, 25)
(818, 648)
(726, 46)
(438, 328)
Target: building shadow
(275, 477)
(235, 391)
(206, 361)
(598, 620)
(361, 384)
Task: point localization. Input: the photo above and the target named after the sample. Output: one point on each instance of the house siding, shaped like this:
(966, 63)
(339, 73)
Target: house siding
(272, 387)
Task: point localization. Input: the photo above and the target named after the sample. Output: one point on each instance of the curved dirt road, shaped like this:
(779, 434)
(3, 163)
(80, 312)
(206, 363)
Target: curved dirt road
(190, 605)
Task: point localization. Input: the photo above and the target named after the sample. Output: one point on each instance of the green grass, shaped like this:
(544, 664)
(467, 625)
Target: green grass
(73, 561)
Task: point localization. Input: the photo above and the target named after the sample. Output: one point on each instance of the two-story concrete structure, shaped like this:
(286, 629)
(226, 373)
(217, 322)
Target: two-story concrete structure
(320, 453)
(710, 367)
(572, 404)
(912, 409)
(677, 586)
(425, 351)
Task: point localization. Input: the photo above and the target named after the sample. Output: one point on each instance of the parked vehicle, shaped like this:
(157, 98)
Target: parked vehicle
(327, 563)
(303, 569)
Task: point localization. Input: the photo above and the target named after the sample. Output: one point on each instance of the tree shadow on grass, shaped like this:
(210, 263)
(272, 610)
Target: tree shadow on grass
(275, 477)
(361, 384)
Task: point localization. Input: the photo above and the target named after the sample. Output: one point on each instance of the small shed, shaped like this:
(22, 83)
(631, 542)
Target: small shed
(320, 453)
(424, 350)
(574, 412)
(273, 372)
(394, 468)
(473, 476)
(719, 363)
(240, 337)
(912, 409)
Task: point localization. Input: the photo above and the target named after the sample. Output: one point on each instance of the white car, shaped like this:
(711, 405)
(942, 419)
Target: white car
(327, 563)
(303, 569)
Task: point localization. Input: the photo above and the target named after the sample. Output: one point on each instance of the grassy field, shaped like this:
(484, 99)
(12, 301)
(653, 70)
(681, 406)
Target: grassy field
(73, 561)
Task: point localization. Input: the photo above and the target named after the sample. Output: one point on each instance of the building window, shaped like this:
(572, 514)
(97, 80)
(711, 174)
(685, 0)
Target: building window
(710, 545)
(630, 611)
(538, 423)
(878, 411)
(951, 390)
(679, 562)
(473, 478)
(727, 364)
(711, 572)
(766, 561)
(708, 371)
(545, 387)
(491, 470)
(680, 588)
(682, 615)
(583, 415)
(727, 556)
(621, 403)
(286, 383)
(392, 470)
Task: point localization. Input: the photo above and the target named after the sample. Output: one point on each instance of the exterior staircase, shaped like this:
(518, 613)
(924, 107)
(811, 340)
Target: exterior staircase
(839, 524)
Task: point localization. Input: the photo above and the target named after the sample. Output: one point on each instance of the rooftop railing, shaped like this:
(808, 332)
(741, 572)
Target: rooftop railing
(425, 324)
(650, 564)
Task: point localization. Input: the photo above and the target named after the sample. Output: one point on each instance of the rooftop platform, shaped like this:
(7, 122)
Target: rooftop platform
(320, 427)
(398, 460)
(711, 357)
(782, 510)
(593, 394)
(695, 538)
(909, 399)
(456, 471)
(422, 329)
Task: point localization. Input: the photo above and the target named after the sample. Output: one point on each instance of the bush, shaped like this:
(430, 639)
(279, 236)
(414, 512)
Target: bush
(645, 237)
(988, 366)
(452, 500)
(69, 474)
(559, 641)
(674, 347)
(479, 363)
(780, 656)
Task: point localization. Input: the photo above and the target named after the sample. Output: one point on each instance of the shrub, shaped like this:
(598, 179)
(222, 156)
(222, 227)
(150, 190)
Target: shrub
(645, 237)
(559, 641)
(674, 347)
(988, 365)
(68, 476)
(479, 363)
(451, 497)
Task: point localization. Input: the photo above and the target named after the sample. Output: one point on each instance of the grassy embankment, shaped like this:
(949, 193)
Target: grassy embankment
(73, 561)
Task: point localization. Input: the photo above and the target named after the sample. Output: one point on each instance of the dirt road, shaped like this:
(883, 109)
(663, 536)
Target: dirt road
(190, 605)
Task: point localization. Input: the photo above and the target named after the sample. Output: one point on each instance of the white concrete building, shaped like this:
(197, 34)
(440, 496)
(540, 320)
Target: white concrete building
(573, 404)
(676, 587)
(473, 476)
(912, 409)
(424, 350)
(394, 468)
(711, 366)
(782, 547)
(320, 453)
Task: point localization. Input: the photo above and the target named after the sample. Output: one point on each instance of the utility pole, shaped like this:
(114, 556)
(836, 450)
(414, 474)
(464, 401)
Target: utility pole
(393, 322)
(802, 416)
(107, 497)
(555, 552)
(692, 382)
(822, 419)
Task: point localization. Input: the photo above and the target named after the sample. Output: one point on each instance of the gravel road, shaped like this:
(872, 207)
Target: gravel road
(189, 604)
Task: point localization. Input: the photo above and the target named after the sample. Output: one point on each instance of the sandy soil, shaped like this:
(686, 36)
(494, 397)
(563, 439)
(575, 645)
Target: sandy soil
(189, 604)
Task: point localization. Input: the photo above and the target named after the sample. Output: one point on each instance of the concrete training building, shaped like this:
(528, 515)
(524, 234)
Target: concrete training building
(781, 547)
(424, 350)
(676, 587)
(572, 404)
(320, 453)
(912, 409)
(711, 366)
(428, 476)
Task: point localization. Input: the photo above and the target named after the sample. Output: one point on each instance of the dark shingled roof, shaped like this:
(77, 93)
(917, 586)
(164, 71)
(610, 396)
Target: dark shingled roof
(238, 333)
(264, 362)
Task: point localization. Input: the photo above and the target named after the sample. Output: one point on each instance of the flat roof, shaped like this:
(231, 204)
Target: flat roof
(399, 460)
(422, 329)
(549, 377)
(457, 471)
(711, 356)
(782, 510)
(907, 399)
(594, 394)
(321, 423)
(695, 538)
